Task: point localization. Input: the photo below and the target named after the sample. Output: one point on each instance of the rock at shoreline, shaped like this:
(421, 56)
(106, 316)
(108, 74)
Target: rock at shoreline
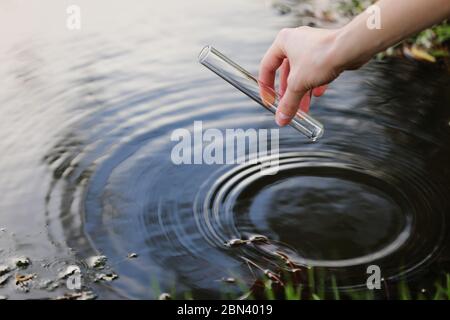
(70, 270)
(97, 262)
(22, 262)
(85, 295)
(106, 276)
(4, 269)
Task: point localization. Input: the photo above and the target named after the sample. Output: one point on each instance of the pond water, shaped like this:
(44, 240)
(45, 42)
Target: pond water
(86, 118)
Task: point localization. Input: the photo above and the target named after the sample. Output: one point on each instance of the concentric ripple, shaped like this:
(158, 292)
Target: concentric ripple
(327, 209)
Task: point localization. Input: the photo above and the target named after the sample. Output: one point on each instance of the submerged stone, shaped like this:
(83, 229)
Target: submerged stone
(97, 262)
(70, 270)
(165, 296)
(4, 279)
(106, 277)
(235, 242)
(229, 280)
(85, 295)
(48, 284)
(258, 238)
(4, 269)
(22, 262)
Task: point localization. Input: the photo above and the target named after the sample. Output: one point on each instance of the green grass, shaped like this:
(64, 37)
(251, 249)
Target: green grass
(315, 286)
(317, 290)
(399, 291)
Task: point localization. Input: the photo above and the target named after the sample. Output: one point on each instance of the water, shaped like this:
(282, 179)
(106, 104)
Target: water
(86, 118)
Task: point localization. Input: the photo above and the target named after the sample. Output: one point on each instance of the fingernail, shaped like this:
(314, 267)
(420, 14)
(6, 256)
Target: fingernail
(282, 119)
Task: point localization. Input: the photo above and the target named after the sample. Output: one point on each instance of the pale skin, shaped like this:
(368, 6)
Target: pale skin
(310, 58)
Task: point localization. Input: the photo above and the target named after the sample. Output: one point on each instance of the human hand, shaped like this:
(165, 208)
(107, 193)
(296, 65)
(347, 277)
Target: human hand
(310, 58)
(305, 58)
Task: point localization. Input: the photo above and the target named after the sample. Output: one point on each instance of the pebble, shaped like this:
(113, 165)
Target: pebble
(165, 296)
(4, 269)
(3, 279)
(85, 295)
(258, 238)
(97, 262)
(22, 262)
(48, 284)
(70, 270)
(235, 242)
(106, 277)
(229, 280)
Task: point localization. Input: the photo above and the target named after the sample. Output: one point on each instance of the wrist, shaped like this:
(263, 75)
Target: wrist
(350, 48)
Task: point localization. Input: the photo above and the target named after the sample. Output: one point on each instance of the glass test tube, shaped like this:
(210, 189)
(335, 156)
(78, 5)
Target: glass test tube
(264, 95)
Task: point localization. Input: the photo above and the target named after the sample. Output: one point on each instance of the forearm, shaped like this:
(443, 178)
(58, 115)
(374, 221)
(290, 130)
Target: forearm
(357, 43)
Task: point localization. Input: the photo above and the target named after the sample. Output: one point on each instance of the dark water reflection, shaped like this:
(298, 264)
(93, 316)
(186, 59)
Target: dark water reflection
(86, 119)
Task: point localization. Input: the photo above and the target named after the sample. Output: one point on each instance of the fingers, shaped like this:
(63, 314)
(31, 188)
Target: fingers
(319, 91)
(288, 106)
(305, 102)
(295, 95)
(284, 73)
(271, 61)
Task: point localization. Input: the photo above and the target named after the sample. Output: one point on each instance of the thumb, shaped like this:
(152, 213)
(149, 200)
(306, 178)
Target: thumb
(288, 106)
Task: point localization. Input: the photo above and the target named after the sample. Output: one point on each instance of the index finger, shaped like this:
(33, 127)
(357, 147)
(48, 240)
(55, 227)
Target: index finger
(271, 61)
